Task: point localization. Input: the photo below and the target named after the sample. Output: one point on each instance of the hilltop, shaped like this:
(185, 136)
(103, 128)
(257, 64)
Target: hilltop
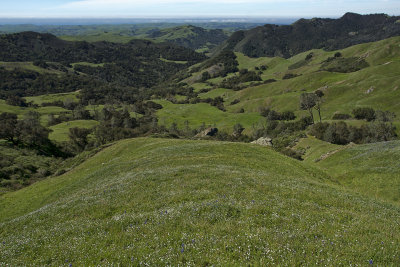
(157, 201)
(317, 33)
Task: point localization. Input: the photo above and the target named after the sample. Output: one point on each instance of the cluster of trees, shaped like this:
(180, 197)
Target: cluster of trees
(244, 76)
(20, 167)
(28, 133)
(366, 113)
(344, 65)
(125, 72)
(18, 47)
(340, 133)
(275, 128)
(273, 115)
(225, 58)
(369, 114)
(28, 83)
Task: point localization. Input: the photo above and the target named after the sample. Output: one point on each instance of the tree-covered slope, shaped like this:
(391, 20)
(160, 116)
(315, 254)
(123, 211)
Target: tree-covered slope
(138, 63)
(305, 34)
(29, 46)
(170, 202)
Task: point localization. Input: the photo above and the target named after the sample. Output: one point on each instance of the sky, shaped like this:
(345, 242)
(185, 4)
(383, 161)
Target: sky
(192, 8)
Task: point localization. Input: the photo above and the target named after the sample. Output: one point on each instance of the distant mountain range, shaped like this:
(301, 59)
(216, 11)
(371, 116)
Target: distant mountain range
(305, 34)
(115, 21)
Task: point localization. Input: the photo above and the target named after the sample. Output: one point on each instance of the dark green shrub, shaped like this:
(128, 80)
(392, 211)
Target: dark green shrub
(289, 76)
(318, 130)
(364, 114)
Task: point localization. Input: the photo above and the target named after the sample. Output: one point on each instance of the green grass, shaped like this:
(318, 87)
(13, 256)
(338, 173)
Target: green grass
(316, 149)
(60, 131)
(198, 86)
(371, 169)
(249, 63)
(200, 113)
(52, 97)
(225, 93)
(88, 64)
(43, 111)
(176, 202)
(173, 61)
(12, 109)
(27, 66)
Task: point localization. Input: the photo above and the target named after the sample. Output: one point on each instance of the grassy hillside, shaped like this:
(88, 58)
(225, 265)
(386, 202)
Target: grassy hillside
(376, 86)
(371, 169)
(174, 202)
(60, 132)
(201, 113)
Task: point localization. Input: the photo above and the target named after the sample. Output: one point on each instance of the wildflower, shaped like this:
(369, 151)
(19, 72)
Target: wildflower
(371, 261)
(183, 248)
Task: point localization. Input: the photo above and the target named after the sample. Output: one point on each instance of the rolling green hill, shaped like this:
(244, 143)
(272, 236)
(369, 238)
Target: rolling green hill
(371, 169)
(170, 202)
(184, 35)
(201, 36)
(376, 85)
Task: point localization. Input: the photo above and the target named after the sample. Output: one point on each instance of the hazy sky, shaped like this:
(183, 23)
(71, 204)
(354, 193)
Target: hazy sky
(193, 8)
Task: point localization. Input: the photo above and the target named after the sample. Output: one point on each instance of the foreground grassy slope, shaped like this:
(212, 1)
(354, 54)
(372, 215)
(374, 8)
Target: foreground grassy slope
(170, 202)
(371, 169)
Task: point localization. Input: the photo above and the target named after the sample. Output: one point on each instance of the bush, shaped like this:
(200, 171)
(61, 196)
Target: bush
(344, 65)
(289, 76)
(364, 114)
(234, 102)
(273, 115)
(269, 81)
(205, 76)
(384, 116)
(337, 133)
(338, 54)
(318, 130)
